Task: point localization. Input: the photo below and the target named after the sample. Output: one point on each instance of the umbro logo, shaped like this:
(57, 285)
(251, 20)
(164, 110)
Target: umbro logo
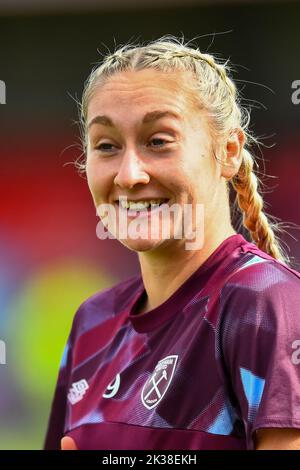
(159, 382)
(77, 391)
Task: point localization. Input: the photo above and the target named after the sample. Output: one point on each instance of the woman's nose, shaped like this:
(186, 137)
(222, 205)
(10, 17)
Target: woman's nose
(131, 171)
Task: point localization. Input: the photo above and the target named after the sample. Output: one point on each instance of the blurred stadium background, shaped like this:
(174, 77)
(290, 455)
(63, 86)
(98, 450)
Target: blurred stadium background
(50, 258)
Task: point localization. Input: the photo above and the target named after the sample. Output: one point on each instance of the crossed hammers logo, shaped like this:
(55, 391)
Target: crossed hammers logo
(157, 385)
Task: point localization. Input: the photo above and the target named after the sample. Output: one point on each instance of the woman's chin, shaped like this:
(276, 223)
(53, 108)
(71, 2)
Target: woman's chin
(141, 244)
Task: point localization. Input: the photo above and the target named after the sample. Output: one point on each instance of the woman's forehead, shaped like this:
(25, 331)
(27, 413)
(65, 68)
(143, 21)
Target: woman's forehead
(147, 88)
(145, 77)
(140, 84)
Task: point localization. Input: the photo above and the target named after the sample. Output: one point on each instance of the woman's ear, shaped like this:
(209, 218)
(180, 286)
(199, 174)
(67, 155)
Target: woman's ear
(232, 158)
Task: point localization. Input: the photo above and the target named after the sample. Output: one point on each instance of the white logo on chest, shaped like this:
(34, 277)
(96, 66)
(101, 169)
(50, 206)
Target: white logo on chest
(159, 382)
(113, 387)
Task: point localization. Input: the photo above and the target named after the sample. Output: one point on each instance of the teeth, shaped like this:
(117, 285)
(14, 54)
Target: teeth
(140, 205)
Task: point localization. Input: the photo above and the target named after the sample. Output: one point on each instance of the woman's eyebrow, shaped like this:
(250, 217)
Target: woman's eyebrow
(149, 117)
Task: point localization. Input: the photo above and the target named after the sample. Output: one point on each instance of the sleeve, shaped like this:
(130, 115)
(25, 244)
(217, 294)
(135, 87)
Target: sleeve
(57, 418)
(261, 350)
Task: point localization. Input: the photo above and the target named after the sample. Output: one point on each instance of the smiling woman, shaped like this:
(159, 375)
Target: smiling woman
(197, 349)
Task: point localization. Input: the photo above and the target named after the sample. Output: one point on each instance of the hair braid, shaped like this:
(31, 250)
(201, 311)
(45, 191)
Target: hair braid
(209, 59)
(251, 203)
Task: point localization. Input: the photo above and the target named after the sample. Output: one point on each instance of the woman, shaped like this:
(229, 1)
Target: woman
(197, 352)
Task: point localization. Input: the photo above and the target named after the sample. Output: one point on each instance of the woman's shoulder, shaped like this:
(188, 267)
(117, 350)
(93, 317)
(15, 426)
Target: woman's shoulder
(105, 304)
(258, 269)
(261, 284)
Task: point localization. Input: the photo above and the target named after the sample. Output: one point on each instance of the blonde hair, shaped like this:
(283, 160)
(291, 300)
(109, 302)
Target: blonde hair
(213, 90)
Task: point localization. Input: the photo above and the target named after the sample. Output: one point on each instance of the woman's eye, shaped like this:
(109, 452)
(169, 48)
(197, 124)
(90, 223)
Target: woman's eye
(104, 146)
(156, 142)
(157, 139)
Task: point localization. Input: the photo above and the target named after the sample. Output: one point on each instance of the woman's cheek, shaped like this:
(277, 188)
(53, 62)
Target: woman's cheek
(94, 184)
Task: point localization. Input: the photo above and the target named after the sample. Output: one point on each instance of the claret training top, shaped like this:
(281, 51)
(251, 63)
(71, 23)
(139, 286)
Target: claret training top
(217, 360)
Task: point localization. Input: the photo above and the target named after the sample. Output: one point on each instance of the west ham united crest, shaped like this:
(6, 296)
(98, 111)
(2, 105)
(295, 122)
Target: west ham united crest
(159, 381)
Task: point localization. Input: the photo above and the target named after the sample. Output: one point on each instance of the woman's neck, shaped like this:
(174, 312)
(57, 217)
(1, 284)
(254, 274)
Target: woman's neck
(164, 274)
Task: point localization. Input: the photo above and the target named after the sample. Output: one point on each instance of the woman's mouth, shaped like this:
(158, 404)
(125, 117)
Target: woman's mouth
(140, 208)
